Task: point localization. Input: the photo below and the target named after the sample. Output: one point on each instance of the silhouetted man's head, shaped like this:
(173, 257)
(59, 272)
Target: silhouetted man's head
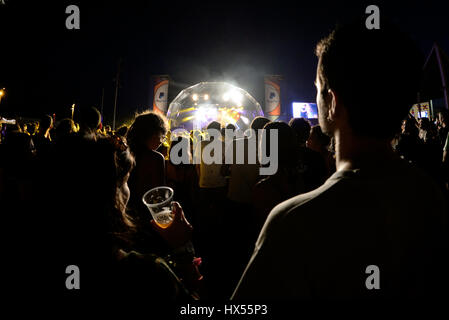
(214, 125)
(287, 148)
(361, 72)
(301, 127)
(230, 126)
(89, 119)
(259, 122)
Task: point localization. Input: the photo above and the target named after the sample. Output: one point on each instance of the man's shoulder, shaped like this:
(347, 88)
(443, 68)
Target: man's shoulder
(306, 205)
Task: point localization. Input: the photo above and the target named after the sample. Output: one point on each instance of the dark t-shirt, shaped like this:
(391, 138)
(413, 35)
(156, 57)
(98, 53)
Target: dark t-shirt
(319, 244)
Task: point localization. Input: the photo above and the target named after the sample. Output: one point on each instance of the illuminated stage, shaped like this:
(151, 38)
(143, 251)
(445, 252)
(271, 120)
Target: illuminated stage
(204, 102)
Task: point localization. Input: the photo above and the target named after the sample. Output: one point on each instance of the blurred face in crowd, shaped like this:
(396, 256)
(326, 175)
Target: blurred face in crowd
(442, 119)
(155, 141)
(404, 122)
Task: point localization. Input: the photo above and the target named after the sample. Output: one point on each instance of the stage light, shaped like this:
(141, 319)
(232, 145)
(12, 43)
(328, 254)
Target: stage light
(210, 101)
(200, 113)
(205, 115)
(237, 96)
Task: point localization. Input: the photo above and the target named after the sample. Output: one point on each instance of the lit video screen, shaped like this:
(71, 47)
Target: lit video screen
(424, 114)
(305, 110)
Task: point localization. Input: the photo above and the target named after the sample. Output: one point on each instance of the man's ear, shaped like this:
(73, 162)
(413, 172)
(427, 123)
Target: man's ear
(333, 103)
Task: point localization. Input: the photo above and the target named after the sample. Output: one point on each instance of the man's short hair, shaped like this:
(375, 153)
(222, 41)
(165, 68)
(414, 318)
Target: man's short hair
(301, 127)
(259, 122)
(371, 70)
(287, 143)
(214, 125)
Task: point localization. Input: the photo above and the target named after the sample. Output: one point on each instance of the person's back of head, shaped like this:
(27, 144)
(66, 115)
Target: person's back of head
(122, 131)
(45, 124)
(214, 125)
(301, 127)
(89, 119)
(64, 128)
(318, 141)
(94, 171)
(366, 69)
(230, 126)
(287, 143)
(259, 122)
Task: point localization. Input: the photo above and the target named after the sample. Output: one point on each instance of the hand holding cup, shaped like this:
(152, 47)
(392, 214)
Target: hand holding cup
(179, 231)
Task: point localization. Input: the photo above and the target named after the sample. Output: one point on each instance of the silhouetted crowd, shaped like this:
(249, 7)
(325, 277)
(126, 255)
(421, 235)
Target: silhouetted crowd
(74, 180)
(71, 194)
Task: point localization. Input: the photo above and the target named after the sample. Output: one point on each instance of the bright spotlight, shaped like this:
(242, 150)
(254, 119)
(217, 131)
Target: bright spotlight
(206, 97)
(201, 113)
(205, 114)
(237, 97)
(195, 97)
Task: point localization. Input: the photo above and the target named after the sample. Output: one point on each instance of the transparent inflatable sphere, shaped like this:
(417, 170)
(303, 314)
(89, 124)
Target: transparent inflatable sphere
(195, 107)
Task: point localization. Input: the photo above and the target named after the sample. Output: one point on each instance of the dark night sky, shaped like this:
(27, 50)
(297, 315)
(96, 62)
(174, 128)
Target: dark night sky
(46, 68)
